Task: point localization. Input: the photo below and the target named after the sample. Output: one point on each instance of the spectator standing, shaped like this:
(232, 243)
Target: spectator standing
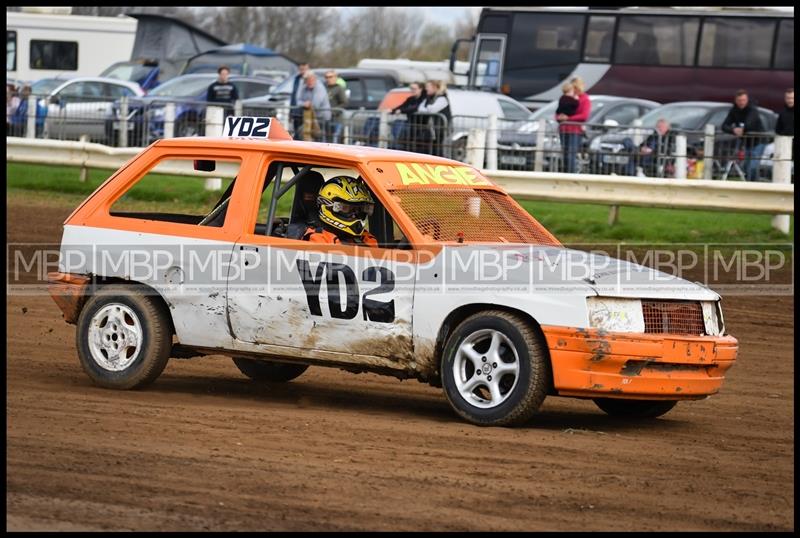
(295, 110)
(337, 97)
(19, 120)
(653, 151)
(12, 102)
(316, 107)
(406, 133)
(437, 104)
(570, 128)
(744, 122)
(223, 91)
(785, 124)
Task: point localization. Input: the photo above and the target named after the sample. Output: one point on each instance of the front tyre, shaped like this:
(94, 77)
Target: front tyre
(124, 337)
(267, 371)
(495, 370)
(634, 408)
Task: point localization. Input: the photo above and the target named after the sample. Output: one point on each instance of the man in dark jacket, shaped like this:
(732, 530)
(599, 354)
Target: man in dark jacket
(744, 122)
(785, 125)
(222, 90)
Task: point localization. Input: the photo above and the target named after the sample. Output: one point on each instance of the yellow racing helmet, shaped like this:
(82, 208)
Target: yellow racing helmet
(345, 204)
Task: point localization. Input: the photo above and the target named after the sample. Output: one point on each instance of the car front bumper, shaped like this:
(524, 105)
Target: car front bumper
(592, 363)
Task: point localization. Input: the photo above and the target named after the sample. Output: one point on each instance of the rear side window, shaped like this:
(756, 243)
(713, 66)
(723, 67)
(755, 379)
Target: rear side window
(60, 55)
(172, 190)
(356, 89)
(512, 111)
(376, 89)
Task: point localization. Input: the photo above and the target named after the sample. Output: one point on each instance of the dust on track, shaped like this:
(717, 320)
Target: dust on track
(205, 448)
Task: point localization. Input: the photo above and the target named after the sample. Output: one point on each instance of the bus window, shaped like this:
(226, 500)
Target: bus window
(11, 51)
(545, 39)
(656, 40)
(599, 38)
(784, 52)
(736, 42)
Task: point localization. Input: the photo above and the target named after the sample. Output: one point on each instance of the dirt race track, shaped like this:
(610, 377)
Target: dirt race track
(205, 448)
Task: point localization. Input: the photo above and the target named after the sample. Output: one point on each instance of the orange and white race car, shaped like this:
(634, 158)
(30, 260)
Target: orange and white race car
(458, 287)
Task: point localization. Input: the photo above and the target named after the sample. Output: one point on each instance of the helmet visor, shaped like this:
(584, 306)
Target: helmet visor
(352, 211)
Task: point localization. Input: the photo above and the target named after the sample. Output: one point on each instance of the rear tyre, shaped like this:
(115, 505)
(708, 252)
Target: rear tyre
(124, 337)
(267, 371)
(495, 370)
(617, 407)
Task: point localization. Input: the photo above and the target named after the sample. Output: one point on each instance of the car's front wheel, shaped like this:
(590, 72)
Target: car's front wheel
(495, 370)
(124, 337)
(268, 371)
(634, 408)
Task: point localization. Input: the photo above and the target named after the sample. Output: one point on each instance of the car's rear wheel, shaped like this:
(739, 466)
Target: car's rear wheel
(268, 371)
(634, 408)
(495, 370)
(124, 337)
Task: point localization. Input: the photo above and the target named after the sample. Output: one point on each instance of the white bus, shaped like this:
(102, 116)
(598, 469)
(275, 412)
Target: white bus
(43, 45)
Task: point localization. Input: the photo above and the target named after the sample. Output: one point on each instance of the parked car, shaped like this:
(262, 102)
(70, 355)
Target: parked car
(469, 109)
(365, 90)
(516, 148)
(188, 92)
(608, 154)
(81, 105)
(143, 72)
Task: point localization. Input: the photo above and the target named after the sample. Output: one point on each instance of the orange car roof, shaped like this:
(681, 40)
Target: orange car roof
(340, 151)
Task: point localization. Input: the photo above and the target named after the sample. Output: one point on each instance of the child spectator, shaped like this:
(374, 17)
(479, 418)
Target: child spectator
(568, 104)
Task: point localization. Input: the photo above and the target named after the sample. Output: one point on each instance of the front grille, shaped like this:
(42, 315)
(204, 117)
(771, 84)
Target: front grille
(673, 317)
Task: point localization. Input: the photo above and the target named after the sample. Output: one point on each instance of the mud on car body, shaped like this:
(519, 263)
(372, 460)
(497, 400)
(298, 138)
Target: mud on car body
(466, 290)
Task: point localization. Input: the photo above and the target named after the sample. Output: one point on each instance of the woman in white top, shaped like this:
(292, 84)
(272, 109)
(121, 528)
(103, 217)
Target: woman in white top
(437, 104)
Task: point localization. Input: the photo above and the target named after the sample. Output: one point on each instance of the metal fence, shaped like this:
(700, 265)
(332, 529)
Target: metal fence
(487, 142)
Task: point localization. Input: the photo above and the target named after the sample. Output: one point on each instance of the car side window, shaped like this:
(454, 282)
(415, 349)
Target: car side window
(116, 91)
(173, 190)
(623, 114)
(513, 112)
(717, 118)
(72, 90)
(92, 89)
(356, 88)
(376, 89)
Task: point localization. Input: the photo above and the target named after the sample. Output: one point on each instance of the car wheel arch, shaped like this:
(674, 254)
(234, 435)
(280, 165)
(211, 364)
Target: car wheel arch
(461, 313)
(100, 281)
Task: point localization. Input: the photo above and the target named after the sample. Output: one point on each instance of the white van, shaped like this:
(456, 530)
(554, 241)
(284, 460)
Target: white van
(40, 45)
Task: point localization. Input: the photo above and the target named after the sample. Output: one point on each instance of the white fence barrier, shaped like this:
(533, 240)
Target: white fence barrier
(752, 197)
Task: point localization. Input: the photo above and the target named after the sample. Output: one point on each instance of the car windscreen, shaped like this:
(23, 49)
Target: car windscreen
(183, 86)
(129, 71)
(687, 117)
(45, 86)
(470, 215)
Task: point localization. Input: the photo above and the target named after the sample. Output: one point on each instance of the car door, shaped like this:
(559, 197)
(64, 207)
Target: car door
(336, 302)
(83, 110)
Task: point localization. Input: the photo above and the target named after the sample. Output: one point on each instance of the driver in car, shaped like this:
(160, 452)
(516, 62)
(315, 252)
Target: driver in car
(345, 204)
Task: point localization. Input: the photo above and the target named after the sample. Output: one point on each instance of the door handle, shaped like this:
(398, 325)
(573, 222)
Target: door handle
(247, 248)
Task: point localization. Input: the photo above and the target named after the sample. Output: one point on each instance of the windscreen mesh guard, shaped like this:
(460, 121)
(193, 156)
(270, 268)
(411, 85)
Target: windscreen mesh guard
(665, 317)
(471, 215)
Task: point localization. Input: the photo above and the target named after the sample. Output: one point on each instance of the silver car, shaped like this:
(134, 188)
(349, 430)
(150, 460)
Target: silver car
(81, 105)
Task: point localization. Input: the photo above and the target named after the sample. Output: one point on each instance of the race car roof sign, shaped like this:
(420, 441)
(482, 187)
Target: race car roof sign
(254, 127)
